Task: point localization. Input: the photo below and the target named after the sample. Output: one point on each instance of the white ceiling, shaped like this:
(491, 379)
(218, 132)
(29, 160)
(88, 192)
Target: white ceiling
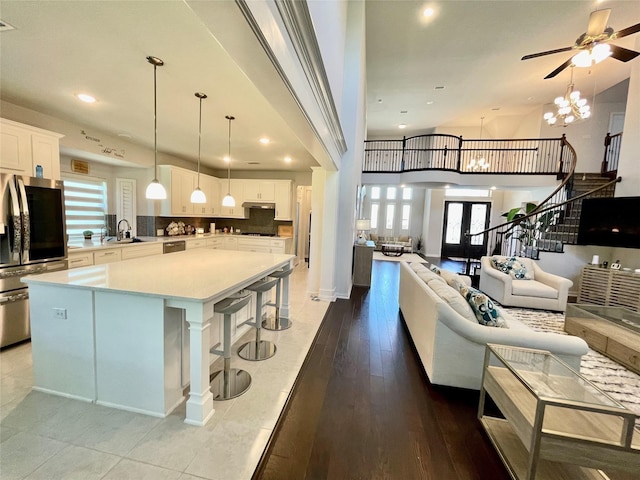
(473, 48)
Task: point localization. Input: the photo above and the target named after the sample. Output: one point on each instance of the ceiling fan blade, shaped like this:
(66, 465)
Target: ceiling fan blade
(627, 31)
(548, 52)
(559, 69)
(623, 54)
(598, 22)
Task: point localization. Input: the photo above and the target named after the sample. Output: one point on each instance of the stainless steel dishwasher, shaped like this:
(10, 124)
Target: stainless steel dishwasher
(177, 246)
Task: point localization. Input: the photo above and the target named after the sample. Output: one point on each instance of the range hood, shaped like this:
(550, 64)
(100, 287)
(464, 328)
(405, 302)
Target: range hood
(264, 205)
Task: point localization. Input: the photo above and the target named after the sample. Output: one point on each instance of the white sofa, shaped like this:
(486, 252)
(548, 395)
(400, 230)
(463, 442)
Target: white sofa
(452, 347)
(404, 240)
(544, 290)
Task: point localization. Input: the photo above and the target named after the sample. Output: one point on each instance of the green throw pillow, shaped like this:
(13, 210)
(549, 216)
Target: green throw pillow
(482, 306)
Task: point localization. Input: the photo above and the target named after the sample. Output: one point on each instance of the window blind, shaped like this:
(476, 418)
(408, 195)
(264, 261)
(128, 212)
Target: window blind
(85, 206)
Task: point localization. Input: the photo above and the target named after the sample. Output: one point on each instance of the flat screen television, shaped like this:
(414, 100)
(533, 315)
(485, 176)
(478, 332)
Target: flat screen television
(610, 222)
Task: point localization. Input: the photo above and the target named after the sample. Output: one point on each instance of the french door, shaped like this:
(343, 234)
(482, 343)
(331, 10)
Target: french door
(462, 217)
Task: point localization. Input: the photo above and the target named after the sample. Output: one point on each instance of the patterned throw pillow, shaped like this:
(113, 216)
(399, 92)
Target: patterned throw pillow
(512, 267)
(434, 269)
(482, 306)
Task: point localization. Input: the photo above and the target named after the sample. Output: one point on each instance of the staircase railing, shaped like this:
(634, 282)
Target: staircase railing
(526, 235)
(529, 156)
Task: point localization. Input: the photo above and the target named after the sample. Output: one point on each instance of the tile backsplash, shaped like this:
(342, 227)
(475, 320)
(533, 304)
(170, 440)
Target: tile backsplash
(259, 221)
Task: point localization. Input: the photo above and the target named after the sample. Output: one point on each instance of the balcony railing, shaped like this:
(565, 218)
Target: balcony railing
(539, 156)
(612, 145)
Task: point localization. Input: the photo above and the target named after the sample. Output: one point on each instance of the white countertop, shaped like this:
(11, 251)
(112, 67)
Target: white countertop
(91, 245)
(199, 274)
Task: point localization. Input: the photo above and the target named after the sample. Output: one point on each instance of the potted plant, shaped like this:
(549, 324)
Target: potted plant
(87, 234)
(527, 230)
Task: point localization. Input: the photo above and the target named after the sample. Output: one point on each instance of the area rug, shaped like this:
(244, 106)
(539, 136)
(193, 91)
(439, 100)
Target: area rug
(621, 384)
(405, 257)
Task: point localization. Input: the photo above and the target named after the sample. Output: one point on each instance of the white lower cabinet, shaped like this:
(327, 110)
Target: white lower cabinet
(214, 243)
(144, 250)
(107, 256)
(230, 243)
(254, 244)
(80, 259)
(196, 243)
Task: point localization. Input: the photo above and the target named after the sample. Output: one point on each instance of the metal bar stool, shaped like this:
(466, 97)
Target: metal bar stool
(259, 349)
(229, 382)
(277, 322)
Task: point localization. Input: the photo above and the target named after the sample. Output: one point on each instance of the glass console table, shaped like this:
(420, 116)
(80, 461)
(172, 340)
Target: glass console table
(556, 425)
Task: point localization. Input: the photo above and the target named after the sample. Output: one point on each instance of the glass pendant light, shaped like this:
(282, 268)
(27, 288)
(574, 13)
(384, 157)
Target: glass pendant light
(155, 190)
(228, 200)
(198, 196)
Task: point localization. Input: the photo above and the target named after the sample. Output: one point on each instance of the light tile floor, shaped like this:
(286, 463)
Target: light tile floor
(50, 437)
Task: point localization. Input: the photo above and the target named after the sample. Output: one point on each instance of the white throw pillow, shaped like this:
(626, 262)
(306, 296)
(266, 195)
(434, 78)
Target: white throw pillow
(454, 300)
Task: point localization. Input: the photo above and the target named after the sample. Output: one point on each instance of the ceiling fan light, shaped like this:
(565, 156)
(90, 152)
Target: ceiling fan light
(198, 196)
(582, 59)
(155, 191)
(600, 52)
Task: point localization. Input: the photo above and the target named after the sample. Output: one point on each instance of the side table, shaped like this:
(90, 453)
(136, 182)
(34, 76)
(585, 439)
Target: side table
(557, 424)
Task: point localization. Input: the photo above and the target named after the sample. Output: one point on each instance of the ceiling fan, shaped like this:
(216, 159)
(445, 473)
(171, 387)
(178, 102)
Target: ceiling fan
(593, 44)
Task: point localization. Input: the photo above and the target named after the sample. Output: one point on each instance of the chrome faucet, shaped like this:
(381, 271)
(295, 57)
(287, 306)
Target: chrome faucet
(123, 233)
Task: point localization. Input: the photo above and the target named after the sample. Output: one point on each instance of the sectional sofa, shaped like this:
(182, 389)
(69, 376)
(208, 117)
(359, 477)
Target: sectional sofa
(447, 336)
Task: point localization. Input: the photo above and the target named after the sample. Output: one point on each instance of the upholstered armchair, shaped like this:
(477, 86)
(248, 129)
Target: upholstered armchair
(520, 282)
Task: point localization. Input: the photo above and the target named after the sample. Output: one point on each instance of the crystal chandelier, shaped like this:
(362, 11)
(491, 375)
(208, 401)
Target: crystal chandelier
(571, 107)
(478, 162)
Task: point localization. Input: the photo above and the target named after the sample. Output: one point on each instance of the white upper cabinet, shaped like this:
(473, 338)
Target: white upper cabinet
(259, 191)
(236, 188)
(283, 192)
(210, 187)
(23, 148)
(179, 183)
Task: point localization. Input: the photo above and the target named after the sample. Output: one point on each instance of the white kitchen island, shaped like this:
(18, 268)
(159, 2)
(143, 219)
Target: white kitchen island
(111, 334)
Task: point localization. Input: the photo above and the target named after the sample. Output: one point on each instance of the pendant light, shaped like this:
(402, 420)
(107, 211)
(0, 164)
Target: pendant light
(198, 196)
(228, 200)
(155, 190)
(478, 162)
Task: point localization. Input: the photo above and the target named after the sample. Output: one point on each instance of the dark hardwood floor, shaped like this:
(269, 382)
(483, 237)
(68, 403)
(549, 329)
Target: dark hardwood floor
(362, 407)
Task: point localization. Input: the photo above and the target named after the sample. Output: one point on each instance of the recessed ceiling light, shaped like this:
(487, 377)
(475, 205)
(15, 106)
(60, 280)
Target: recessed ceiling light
(124, 135)
(264, 140)
(86, 98)
(402, 125)
(493, 188)
(287, 159)
(428, 12)
(226, 159)
(447, 186)
(430, 102)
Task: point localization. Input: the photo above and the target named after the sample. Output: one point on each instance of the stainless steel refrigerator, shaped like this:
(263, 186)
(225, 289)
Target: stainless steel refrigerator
(32, 240)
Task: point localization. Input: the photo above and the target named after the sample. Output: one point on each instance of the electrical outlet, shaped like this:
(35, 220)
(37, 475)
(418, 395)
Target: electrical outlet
(60, 313)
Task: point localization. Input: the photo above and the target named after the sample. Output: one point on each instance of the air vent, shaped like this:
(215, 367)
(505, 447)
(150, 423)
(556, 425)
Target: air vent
(4, 26)
(253, 163)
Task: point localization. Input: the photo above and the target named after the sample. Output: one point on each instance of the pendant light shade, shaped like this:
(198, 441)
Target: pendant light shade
(155, 190)
(228, 200)
(198, 196)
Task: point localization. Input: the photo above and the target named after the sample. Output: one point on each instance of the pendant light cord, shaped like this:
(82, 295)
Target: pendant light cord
(229, 117)
(155, 123)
